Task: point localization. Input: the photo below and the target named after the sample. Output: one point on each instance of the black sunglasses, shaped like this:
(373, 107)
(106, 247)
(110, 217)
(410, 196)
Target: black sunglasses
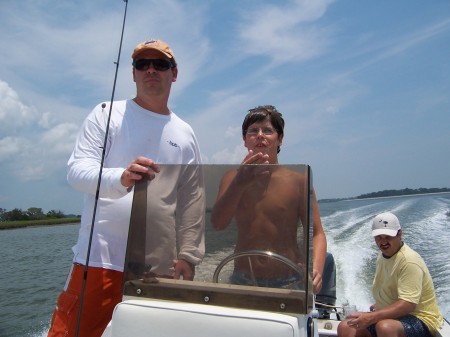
(158, 64)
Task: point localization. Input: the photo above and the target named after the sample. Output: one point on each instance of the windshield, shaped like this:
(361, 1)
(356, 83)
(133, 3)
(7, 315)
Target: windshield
(257, 226)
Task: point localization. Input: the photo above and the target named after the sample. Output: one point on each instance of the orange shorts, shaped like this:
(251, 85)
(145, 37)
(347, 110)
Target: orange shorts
(103, 291)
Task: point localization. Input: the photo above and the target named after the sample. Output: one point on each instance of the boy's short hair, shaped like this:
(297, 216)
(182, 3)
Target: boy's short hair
(259, 114)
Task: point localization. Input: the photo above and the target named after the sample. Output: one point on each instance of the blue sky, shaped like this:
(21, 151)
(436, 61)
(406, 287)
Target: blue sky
(364, 86)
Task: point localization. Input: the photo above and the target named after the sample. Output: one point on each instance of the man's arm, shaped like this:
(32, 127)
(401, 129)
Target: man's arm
(85, 161)
(397, 309)
(320, 247)
(190, 222)
(227, 201)
(232, 186)
(410, 278)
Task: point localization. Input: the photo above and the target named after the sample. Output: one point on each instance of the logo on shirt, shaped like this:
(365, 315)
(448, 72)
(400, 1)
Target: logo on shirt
(172, 143)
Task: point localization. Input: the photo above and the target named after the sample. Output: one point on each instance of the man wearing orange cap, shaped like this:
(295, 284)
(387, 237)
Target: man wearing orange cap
(405, 301)
(143, 133)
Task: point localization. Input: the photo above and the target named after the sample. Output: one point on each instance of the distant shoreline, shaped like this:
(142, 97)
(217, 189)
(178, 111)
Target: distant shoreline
(37, 223)
(399, 196)
(381, 197)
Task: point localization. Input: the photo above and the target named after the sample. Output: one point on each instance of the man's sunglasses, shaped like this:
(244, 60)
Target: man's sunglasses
(158, 64)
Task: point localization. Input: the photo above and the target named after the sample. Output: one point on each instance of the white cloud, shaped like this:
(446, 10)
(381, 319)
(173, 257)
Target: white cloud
(233, 132)
(60, 138)
(285, 33)
(227, 156)
(13, 113)
(31, 142)
(10, 147)
(34, 172)
(45, 120)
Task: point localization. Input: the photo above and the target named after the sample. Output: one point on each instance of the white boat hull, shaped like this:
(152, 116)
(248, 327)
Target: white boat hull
(444, 331)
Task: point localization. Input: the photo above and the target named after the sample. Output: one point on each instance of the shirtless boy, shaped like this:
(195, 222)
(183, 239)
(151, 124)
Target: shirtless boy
(267, 202)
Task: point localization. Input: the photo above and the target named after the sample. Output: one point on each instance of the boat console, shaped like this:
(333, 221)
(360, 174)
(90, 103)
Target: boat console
(256, 275)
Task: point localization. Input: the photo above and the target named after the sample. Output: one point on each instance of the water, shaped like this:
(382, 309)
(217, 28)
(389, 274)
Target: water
(35, 261)
(33, 268)
(426, 222)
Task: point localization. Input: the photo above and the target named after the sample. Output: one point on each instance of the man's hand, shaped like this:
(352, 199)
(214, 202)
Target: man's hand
(317, 281)
(360, 320)
(137, 169)
(255, 158)
(248, 173)
(184, 270)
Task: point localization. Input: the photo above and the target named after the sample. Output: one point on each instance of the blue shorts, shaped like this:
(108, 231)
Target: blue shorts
(413, 326)
(292, 282)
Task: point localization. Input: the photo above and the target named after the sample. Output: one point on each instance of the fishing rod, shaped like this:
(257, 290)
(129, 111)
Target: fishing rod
(97, 192)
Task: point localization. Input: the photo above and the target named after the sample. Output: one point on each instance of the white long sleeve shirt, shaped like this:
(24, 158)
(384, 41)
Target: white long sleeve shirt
(135, 132)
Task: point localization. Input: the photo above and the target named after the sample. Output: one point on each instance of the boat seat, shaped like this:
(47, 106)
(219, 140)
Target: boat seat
(166, 318)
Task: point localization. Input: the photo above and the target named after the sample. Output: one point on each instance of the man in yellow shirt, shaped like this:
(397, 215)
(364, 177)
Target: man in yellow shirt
(405, 301)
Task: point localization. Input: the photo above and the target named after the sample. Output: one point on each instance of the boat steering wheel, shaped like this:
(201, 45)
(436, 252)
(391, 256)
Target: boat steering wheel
(250, 253)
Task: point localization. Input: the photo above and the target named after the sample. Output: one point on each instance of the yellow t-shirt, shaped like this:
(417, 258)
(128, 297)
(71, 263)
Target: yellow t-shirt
(405, 276)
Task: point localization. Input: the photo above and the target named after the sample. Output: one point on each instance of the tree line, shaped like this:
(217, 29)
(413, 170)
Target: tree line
(32, 213)
(405, 191)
